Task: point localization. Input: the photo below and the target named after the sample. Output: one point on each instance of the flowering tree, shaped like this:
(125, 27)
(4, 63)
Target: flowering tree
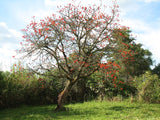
(75, 42)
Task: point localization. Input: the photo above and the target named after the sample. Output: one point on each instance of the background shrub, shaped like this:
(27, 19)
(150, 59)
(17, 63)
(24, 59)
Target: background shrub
(148, 87)
(21, 86)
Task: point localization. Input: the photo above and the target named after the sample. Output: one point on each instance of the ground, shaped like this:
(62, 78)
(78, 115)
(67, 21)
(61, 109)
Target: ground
(93, 110)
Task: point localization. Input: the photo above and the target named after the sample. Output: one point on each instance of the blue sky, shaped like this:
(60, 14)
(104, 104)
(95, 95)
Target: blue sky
(142, 16)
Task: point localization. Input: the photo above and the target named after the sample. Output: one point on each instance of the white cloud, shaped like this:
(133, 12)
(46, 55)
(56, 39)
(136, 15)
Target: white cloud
(129, 2)
(82, 2)
(55, 2)
(136, 25)
(148, 1)
(9, 40)
(6, 58)
(49, 2)
(8, 36)
(151, 41)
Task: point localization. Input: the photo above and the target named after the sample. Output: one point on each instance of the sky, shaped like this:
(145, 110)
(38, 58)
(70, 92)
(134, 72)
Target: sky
(142, 16)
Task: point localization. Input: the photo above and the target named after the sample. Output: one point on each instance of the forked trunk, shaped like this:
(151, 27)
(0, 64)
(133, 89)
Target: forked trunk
(63, 95)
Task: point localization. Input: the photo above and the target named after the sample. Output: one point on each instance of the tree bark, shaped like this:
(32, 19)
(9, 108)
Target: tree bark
(63, 95)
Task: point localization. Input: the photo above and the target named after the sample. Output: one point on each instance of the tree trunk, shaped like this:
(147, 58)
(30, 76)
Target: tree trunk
(63, 95)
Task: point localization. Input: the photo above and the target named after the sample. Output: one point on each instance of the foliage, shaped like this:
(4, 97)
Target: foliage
(74, 43)
(148, 87)
(66, 52)
(23, 87)
(156, 70)
(20, 86)
(93, 110)
(138, 58)
(143, 60)
(111, 86)
(131, 59)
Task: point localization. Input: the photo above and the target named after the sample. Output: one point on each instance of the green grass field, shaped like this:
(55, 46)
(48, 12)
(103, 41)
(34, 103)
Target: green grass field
(94, 110)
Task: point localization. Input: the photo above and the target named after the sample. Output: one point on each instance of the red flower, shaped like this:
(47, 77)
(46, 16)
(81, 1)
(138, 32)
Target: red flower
(112, 75)
(121, 82)
(71, 70)
(74, 30)
(39, 30)
(86, 65)
(40, 79)
(32, 44)
(75, 61)
(27, 40)
(121, 88)
(120, 34)
(24, 36)
(72, 38)
(106, 67)
(47, 29)
(62, 19)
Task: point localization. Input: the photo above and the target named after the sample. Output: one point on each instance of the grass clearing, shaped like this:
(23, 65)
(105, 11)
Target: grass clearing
(94, 110)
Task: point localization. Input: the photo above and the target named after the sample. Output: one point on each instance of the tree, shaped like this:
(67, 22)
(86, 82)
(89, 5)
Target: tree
(156, 70)
(140, 60)
(74, 43)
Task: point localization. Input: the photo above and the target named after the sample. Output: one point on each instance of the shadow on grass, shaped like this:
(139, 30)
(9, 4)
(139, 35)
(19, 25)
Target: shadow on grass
(121, 108)
(28, 113)
(38, 113)
(73, 112)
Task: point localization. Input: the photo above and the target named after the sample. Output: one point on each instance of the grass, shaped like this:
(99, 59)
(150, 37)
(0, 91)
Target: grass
(93, 110)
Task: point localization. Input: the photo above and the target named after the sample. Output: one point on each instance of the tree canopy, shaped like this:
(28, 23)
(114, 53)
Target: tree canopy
(75, 42)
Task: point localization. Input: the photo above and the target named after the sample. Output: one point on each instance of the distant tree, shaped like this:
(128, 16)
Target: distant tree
(156, 70)
(140, 60)
(74, 43)
(132, 59)
(143, 60)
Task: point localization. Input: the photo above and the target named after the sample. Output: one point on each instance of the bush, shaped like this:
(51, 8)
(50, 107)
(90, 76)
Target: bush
(148, 88)
(106, 87)
(23, 87)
